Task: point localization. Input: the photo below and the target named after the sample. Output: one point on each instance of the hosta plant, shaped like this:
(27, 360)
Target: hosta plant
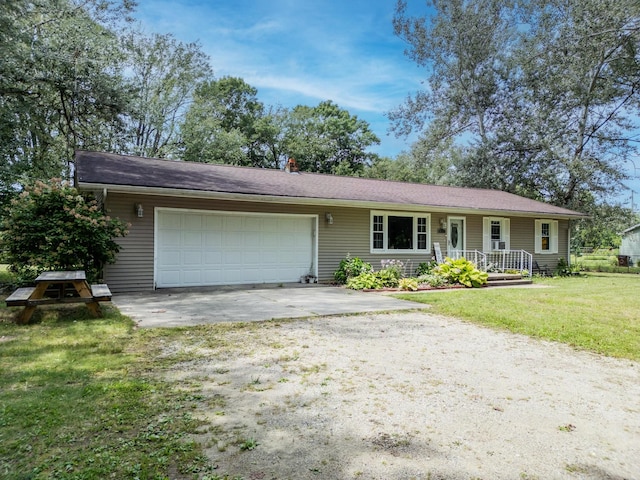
(410, 284)
(366, 280)
(463, 272)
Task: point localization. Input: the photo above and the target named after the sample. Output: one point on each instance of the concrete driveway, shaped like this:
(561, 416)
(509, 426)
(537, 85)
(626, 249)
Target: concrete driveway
(186, 307)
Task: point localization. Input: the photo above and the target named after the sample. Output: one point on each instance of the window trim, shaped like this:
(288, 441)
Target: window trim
(505, 233)
(385, 226)
(553, 236)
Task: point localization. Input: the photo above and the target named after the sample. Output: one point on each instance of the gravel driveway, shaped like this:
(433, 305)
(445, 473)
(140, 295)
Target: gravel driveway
(407, 396)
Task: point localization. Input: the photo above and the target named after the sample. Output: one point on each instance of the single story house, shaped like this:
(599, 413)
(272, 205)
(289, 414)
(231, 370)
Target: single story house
(630, 245)
(196, 224)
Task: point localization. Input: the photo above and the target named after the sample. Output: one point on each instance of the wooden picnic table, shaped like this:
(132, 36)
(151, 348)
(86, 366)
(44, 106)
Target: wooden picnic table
(59, 287)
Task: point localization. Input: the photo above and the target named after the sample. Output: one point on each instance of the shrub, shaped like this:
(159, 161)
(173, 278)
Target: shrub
(425, 268)
(374, 280)
(462, 271)
(563, 269)
(50, 226)
(408, 284)
(397, 266)
(389, 277)
(366, 280)
(432, 280)
(351, 267)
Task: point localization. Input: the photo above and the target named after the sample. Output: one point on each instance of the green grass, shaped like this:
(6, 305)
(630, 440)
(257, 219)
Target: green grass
(78, 401)
(595, 312)
(601, 261)
(84, 398)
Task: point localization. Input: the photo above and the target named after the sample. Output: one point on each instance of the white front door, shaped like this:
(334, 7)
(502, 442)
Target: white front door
(456, 233)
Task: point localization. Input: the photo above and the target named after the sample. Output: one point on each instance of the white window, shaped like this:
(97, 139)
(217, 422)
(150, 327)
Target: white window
(496, 234)
(546, 236)
(399, 231)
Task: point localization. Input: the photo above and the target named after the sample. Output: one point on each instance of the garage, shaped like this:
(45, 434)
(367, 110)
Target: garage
(200, 248)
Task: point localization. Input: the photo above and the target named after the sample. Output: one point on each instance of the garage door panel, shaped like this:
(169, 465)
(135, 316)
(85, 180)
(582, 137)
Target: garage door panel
(170, 258)
(170, 220)
(213, 239)
(170, 238)
(213, 222)
(192, 221)
(192, 258)
(200, 248)
(192, 238)
(212, 259)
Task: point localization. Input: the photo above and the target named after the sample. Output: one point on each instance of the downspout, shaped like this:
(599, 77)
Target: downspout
(569, 243)
(104, 199)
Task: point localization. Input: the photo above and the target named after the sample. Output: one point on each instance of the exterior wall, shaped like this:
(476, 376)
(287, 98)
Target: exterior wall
(630, 245)
(349, 234)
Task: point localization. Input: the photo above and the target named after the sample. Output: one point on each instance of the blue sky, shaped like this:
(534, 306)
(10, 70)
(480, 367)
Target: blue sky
(302, 52)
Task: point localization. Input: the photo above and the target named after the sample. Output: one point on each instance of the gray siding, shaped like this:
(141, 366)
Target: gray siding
(631, 245)
(349, 234)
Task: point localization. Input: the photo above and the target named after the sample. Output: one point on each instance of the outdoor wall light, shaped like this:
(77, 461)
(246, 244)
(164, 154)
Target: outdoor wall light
(139, 210)
(443, 223)
(329, 218)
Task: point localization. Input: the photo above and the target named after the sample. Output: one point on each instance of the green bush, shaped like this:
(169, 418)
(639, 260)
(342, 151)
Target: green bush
(410, 284)
(366, 280)
(425, 268)
(389, 277)
(50, 226)
(432, 280)
(386, 278)
(398, 267)
(461, 271)
(349, 268)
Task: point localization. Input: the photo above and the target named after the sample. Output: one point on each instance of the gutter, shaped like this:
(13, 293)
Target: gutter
(244, 197)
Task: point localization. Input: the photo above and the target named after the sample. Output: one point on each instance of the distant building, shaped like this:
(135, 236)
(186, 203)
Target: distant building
(630, 245)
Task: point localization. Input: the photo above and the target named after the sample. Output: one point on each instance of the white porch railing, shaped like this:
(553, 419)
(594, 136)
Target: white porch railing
(500, 261)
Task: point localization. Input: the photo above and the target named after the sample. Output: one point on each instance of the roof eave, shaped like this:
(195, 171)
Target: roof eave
(244, 197)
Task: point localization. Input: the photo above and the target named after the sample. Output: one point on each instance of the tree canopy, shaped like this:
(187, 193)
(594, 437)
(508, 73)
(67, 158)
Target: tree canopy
(540, 95)
(539, 98)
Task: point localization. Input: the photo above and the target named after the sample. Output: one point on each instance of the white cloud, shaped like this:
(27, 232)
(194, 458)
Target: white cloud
(299, 52)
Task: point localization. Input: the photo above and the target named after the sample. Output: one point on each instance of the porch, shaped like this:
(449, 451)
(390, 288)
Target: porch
(519, 262)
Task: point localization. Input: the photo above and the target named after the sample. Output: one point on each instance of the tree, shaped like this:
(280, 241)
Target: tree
(541, 97)
(223, 124)
(163, 76)
(465, 47)
(328, 139)
(60, 85)
(50, 226)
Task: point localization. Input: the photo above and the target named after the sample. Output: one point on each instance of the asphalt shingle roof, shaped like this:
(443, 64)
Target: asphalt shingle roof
(111, 170)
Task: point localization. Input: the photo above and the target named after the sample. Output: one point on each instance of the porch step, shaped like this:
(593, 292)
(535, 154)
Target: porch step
(507, 280)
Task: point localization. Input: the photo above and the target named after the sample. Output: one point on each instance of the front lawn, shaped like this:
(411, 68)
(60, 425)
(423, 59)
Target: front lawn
(597, 312)
(77, 401)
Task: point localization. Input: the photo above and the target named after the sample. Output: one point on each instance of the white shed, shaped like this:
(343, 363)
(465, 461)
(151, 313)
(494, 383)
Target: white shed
(630, 245)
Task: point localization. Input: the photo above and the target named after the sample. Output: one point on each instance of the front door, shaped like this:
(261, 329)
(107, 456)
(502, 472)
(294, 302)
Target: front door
(456, 237)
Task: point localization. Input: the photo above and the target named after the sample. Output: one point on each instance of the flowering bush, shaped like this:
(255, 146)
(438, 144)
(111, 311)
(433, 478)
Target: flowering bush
(50, 226)
(351, 267)
(394, 267)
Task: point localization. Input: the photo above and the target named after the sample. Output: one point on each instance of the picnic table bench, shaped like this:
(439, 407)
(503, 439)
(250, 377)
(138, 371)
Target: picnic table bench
(58, 287)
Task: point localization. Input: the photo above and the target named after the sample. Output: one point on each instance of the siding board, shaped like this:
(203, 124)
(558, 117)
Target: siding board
(349, 234)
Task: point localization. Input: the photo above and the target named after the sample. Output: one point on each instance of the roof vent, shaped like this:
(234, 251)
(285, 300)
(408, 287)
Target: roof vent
(291, 166)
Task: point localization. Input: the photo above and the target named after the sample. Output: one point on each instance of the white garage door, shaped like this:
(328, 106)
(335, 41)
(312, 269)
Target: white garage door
(204, 248)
